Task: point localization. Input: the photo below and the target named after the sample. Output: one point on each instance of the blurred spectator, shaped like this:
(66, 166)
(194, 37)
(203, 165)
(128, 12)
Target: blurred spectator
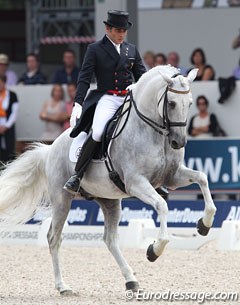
(52, 112)
(33, 75)
(205, 71)
(160, 59)
(8, 117)
(69, 72)
(173, 59)
(236, 71)
(71, 89)
(11, 76)
(236, 41)
(234, 3)
(204, 124)
(149, 60)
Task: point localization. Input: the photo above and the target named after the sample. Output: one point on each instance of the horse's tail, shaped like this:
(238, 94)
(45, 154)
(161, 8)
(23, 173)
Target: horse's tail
(23, 185)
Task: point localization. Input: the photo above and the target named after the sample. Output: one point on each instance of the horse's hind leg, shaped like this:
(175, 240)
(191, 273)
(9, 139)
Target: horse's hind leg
(61, 206)
(186, 176)
(111, 210)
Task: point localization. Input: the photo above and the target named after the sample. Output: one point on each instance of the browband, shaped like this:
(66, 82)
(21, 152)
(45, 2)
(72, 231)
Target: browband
(178, 91)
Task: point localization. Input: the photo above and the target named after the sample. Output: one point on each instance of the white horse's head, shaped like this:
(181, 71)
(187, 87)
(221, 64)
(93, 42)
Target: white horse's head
(178, 100)
(167, 96)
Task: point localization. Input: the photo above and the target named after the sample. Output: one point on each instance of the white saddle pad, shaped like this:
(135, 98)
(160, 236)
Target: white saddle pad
(76, 146)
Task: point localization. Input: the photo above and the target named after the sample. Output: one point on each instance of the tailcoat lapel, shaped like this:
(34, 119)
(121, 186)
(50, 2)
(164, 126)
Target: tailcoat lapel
(109, 48)
(123, 55)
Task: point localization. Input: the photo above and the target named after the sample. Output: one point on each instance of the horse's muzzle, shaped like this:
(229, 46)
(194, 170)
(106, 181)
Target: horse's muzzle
(178, 144)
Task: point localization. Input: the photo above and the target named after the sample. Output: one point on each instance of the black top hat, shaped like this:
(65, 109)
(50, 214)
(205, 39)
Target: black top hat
(118, 19)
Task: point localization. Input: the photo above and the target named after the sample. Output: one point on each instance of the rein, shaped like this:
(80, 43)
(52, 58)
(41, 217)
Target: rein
(157, 127)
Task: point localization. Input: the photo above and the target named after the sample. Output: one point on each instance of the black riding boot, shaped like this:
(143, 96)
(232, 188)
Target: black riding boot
(85, 157)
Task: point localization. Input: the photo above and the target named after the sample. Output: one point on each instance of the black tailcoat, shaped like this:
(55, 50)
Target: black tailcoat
(113, 71)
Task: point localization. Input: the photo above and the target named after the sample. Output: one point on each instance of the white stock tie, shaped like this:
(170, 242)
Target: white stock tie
(117, 46)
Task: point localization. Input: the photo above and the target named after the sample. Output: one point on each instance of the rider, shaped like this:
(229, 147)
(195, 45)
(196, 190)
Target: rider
(115, 63)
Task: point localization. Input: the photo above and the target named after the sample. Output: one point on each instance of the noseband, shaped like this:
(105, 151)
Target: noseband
(166, 124)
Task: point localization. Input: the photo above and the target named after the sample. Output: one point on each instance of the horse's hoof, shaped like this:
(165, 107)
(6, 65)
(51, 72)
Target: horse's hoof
(201, 228)
(134, 286)
(66, 292)
(151, 256)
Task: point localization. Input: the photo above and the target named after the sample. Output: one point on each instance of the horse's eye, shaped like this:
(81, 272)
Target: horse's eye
(172, 104)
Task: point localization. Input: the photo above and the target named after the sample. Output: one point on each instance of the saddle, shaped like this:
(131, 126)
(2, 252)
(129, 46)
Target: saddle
(108, 134)
(109, 131)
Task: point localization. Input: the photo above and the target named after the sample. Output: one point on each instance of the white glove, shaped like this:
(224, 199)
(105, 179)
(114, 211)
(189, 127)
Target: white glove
(131, 87)
(76, 113)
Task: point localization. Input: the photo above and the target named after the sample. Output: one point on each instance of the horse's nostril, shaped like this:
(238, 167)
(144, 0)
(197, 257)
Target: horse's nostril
(174, 144)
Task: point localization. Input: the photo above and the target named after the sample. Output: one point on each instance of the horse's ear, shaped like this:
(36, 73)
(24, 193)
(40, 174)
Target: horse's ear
(192, 75)
(168, 79)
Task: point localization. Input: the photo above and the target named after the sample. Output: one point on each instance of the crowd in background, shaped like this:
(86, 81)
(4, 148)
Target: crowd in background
(33, 75)
(197, 60)
(57, 109)
(68, 72)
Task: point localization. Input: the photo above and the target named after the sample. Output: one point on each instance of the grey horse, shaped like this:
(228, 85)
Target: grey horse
(148, 153)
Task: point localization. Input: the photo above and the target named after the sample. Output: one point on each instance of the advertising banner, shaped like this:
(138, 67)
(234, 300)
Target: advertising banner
(218, 159)
(182, 214)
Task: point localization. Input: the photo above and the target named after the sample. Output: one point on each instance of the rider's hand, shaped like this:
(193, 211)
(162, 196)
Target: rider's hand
(76, 113)
(131, 87)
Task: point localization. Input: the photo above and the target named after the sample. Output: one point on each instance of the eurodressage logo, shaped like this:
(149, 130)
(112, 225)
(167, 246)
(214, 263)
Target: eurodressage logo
(171, 296)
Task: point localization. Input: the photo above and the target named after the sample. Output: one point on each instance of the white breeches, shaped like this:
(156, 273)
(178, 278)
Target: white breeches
(106, 108)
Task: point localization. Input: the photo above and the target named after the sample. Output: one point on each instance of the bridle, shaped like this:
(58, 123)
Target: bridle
(164, 127)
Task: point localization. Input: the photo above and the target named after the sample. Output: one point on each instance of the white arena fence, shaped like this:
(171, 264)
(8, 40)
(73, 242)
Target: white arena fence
(139, 222)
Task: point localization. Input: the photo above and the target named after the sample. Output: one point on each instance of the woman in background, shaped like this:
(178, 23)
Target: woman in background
(71, 90)
(149, 60)
(204, 124)
(205, 71)
(52, 113)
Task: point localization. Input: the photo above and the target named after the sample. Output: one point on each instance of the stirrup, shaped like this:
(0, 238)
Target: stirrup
(70, 187)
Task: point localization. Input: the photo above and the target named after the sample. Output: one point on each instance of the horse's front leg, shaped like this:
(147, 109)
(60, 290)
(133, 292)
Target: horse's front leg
(186, 176)
(141, 188)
